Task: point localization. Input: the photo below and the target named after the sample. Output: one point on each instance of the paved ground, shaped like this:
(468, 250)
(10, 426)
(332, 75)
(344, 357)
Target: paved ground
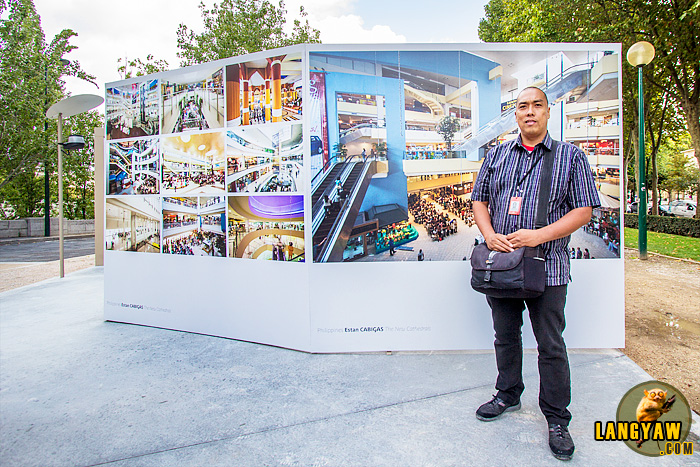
(41, 250)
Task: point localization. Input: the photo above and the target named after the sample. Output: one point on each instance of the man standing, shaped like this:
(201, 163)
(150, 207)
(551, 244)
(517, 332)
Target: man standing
(504, 203)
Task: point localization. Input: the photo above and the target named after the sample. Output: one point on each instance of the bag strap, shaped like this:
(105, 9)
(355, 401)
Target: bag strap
(545, 185)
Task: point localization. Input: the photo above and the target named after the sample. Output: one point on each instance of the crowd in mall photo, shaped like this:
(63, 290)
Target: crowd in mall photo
(199, 243)
(424, 210)
(606, 225)
(173, 181)
(146, 185)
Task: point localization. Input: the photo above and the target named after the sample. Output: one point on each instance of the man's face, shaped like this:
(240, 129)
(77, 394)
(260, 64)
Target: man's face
(532, 114)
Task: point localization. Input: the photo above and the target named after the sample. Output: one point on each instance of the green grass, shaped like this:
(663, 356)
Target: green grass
(666, 244)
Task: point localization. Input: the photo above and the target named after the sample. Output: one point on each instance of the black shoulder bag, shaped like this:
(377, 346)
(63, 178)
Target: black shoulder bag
(520, 273)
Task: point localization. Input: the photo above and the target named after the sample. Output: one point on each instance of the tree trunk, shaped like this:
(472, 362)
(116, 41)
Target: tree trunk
(692, 117)
(626, 156)
(635, 147)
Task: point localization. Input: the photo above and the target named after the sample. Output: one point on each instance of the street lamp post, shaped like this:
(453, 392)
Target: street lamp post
(68, 107)
(640, 54)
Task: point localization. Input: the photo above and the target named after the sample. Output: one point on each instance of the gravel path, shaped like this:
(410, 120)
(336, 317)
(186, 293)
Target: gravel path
(662, 320)
(13, 275)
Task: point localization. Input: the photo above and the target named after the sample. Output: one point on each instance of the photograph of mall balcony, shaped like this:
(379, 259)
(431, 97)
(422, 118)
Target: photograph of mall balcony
(194, 226)
(194, 164)
(266, 227)
(132, 110)
(193, 100)
(263, 91)
(413, 200)
(134, 167)
(266, 159)
(133, 224)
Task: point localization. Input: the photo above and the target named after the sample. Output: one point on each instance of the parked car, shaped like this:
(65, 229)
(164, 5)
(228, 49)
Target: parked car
(663, 209)
(683, 208)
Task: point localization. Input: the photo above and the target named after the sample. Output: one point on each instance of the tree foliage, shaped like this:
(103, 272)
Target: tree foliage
(676, 173)
(79, 168)
(30, 82)
(526, 21)
(447, 127)
(137, 67)
(237, 27)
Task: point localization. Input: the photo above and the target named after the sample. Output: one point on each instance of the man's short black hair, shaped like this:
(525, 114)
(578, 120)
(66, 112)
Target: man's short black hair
(546, 99)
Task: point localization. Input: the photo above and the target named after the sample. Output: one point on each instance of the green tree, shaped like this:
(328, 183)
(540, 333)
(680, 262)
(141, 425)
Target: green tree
(447, 127)
(677, 175)
(24, 197)
(527, 21)
(30, 81)
(381, 149)
(237, 27)
(137, 67)
(664, 123)
(79, 168)
(340, 150)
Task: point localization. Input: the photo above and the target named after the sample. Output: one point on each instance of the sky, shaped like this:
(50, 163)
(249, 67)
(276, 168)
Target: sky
(109, 30)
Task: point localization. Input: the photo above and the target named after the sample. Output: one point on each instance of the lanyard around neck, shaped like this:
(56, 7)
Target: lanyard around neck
(534, 164)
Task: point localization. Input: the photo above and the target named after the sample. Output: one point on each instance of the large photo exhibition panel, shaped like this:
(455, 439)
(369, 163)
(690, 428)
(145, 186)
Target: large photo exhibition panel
(395, 139)
(455, 106)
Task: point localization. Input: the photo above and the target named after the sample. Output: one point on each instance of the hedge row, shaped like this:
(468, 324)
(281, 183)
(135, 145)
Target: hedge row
(687, 227)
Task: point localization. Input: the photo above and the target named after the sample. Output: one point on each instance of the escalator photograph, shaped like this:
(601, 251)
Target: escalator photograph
(426, 120)
(134, 167)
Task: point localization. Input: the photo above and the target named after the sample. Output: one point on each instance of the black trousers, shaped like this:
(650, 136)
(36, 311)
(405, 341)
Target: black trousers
(547, 318)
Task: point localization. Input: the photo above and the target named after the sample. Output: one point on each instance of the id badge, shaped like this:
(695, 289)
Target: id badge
(515, 204)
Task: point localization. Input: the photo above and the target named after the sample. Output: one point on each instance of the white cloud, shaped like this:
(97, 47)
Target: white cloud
(321, 9)
(349, 29)
(337, 23)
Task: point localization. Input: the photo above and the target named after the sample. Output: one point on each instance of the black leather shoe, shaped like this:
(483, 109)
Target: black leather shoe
(494, 408)
(560, 442)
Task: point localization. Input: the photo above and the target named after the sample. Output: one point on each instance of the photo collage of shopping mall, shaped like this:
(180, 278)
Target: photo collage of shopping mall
(371, 158)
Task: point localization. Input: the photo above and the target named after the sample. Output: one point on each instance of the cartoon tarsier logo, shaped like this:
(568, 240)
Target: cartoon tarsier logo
(652, 422)
(652, 406)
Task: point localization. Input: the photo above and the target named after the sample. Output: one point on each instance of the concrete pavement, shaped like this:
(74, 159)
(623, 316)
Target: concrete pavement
(76, 390)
